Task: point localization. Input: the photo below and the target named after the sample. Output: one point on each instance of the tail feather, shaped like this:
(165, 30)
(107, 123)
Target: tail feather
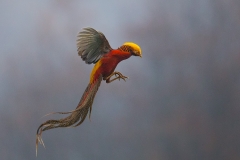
(78, 115)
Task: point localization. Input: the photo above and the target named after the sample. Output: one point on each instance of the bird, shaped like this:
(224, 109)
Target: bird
(93, 48)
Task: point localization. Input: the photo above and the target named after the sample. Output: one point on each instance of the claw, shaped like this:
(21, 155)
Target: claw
(117, 75)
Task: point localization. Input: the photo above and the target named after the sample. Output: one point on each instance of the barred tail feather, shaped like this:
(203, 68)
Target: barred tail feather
(77, 116)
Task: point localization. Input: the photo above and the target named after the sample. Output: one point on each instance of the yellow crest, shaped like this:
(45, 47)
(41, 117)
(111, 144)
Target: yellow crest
(135, 47)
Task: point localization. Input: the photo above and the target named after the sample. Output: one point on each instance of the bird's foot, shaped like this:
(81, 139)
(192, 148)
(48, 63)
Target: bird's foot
(117, 75)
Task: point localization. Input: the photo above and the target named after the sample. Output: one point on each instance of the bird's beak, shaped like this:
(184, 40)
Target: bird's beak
(136, 53)
(140, 54)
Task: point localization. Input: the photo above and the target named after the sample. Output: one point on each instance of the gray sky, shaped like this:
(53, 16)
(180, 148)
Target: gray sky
(182, 98)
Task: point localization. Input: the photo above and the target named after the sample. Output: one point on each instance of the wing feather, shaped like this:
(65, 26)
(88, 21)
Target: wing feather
(92, 45)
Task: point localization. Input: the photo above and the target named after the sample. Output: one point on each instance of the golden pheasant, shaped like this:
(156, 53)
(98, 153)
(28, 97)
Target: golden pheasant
(93, 47)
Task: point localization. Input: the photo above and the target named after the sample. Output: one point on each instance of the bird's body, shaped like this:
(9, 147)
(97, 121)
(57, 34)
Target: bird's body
(93, 47)
(107, 64)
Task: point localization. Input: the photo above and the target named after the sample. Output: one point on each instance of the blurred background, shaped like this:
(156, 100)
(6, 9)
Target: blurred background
(182, 100)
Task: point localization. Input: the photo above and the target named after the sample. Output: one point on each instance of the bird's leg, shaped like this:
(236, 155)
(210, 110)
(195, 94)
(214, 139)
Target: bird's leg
(118, 76)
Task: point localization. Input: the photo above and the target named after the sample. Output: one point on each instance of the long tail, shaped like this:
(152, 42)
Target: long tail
(77, 115)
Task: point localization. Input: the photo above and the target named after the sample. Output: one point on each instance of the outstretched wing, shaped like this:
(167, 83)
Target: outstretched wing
(92, 45)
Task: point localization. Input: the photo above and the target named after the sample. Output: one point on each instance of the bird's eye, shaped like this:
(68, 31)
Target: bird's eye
(134, 53)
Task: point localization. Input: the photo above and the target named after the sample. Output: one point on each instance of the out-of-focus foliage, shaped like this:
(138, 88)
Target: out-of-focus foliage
(182, 100)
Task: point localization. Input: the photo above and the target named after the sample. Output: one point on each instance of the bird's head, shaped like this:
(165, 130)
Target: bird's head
(133, 48)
